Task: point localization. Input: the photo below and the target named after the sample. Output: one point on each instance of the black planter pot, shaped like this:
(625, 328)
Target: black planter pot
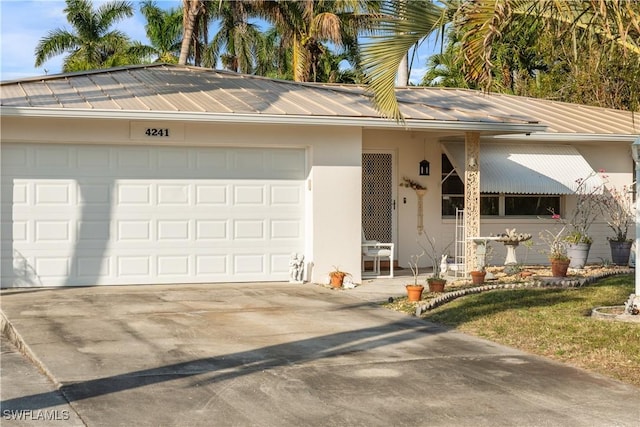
(620, 252)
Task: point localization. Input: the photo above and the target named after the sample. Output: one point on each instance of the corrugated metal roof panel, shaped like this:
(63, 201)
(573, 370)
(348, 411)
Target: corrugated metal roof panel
(13, 96)
(116, 91)
(92, 94)
(528, 168)
(67, 96)
(39, 95)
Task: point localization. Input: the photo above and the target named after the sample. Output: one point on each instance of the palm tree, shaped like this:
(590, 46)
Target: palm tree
(237, 41)
(613, 25)
(272, 58)
(443, 69)
(305, 25)
(164, 31)
(91, 44)
(192, 11)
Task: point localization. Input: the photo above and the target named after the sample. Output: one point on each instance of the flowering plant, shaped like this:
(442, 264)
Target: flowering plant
(615, 205)
(555, 239)
(406, 182)
(586, 210)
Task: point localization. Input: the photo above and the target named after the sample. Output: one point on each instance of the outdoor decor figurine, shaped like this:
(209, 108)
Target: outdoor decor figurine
(631, 306)
(296, 268)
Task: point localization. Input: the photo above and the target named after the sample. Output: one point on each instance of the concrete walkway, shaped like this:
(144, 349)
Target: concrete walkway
(276, 354)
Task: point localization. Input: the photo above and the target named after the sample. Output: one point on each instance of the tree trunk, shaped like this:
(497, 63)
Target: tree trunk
(191, 10)
(403, 72)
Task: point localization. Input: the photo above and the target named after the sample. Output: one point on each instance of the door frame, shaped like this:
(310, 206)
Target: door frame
(394, 194)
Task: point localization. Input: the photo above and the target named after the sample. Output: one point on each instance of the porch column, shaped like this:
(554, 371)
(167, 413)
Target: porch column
(471, 195)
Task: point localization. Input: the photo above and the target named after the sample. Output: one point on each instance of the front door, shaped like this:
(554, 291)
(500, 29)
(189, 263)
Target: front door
(378, 196)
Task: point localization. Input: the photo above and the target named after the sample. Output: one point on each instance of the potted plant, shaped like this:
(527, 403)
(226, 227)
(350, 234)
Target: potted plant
(557, 251)
(578, 240)
(436, 282)
(615, 206)
(337, 277)
(414, 290)
(477, 276)
(578, 247)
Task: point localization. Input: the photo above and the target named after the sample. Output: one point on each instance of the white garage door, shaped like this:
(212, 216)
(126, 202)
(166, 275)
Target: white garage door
(86, 215)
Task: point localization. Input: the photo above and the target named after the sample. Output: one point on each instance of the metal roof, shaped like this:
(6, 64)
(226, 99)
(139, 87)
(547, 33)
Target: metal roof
(528, 168)
(190, 93)
(174, 92)
(559, 117)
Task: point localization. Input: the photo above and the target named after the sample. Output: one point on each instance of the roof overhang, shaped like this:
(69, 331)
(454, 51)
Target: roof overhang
(369, 122)
(528, 169)
(567, 137)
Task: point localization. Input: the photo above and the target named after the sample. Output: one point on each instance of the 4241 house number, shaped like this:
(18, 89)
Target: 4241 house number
(157, 132)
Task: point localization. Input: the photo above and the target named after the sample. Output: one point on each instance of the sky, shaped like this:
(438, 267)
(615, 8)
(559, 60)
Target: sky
(24, 22)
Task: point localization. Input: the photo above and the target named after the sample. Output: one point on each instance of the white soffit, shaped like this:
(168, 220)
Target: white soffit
(528, 169)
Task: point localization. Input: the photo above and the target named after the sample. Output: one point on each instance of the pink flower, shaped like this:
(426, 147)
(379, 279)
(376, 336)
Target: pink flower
(555, 216)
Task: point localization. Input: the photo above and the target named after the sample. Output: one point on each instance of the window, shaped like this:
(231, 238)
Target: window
(492, 204)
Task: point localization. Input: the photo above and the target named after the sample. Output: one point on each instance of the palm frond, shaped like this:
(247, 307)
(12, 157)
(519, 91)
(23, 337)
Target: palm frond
(400, 27)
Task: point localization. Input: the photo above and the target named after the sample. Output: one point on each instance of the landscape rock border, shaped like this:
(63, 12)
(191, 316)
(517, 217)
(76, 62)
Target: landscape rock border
(538, 282)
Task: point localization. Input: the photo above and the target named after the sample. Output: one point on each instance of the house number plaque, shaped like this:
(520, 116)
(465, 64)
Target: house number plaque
(157, 131)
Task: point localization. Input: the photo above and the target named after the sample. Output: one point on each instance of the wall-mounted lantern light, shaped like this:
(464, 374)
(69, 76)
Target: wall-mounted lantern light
(424, 167)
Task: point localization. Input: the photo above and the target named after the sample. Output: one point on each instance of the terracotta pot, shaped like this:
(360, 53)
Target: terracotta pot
(414, 292)
(336, 280)
(559, 268)
(477, 277)
(436, 285)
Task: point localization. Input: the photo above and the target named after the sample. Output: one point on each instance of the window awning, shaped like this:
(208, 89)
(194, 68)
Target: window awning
(528, 169)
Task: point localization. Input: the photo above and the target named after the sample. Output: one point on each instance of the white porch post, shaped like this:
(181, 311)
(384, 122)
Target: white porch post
(635, 149)
(471, 196)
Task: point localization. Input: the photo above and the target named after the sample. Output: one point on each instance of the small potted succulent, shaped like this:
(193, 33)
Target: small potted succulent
(337, 277)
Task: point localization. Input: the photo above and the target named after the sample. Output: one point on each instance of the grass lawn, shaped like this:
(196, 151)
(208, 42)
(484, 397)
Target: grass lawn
(554, 323)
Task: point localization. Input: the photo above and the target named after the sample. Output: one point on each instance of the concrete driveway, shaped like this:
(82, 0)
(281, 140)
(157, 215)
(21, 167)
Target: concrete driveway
(279, 354)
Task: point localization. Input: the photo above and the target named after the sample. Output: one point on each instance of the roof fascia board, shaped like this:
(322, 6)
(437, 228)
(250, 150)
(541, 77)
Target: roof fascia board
(567, 137)
(270, 119)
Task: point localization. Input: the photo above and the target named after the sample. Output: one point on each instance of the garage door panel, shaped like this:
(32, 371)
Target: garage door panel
(249, 195)
(133, 194)
(249, 229)
(52, 158)
(87, 215)
(212, 194)
(212, 230)
(131, 230)
(250, 263)
(174, 194)
(57, 193)
(212, 265)
(90, 267)
(134, 266)
(286, 229)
